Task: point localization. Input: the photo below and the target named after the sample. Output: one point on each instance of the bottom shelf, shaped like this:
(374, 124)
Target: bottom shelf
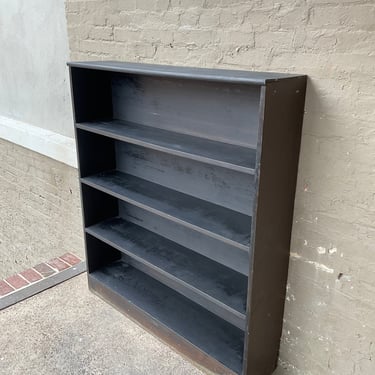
(159, 308)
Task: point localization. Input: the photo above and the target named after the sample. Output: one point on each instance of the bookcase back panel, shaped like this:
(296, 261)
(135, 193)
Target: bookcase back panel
(224, 187)
(223, 112)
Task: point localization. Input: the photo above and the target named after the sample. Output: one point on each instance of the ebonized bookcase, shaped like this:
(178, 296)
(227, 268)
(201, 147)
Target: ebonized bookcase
(187, 181)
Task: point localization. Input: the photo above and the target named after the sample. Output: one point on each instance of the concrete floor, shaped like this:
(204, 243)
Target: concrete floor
(67, 330)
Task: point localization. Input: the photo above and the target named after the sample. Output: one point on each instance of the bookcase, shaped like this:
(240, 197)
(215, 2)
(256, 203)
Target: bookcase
(187, 183)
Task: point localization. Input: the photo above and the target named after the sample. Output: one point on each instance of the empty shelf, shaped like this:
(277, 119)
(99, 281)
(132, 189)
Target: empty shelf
(218, 222)
(140, 295)
(210, 284)
(225, 155)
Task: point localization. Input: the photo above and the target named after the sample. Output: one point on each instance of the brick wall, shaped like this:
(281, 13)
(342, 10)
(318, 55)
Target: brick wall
(330, 309)
(39, 209)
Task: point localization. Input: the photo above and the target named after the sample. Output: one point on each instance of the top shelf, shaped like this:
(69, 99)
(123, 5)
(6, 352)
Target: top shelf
(216, 75)
(241, 159)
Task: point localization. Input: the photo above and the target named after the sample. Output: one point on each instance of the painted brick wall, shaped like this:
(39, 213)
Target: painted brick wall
(330, 309)
(39, 209)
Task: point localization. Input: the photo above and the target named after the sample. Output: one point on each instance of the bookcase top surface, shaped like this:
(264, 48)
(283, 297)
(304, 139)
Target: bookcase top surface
(218, 75)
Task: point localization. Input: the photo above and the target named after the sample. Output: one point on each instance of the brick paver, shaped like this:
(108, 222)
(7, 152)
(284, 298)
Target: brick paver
(16, 281)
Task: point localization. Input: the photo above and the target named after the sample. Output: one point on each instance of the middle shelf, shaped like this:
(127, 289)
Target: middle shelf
(208, 283)
(210, 219)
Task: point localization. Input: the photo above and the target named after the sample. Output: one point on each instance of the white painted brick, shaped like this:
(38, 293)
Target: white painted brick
(230, 19)
(260, 20)
(320, 40)
(124, 5)
(124, 35)
(359, 16)
(207, 58)
(103, 33)
(290, 17)
(253, 58)
(355, 41)
(171, 18)
(189, 18)
(166, 54)
(237, 38)
(162, 5)
(114, 19)
(150, 36)
(209, 18)
(142, 50)
(94, 46)
(99, 18)
(274, 39)
(156, 5)
(94, 6)
(187, 3)
(198, 37)
(73, 18)
(76, 6)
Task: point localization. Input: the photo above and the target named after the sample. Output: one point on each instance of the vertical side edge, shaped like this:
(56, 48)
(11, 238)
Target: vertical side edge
(281, 117)
(72, 84)
(81, 106)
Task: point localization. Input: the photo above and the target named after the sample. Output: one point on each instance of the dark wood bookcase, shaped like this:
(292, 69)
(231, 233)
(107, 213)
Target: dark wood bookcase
(187, 181)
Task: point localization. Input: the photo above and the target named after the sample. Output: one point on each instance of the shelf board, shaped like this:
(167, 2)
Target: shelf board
(186, 72)
(215, 221)
(238, 158)
(208, 283)
(146, 299)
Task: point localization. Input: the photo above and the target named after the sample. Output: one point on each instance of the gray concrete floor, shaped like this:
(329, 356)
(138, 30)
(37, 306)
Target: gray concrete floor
(67, 330)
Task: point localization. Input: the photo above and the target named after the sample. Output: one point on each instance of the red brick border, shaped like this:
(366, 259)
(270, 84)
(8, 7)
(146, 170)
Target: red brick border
(37, 273)
(5, 288)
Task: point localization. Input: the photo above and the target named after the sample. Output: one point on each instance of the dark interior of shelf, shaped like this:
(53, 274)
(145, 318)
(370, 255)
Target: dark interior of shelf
(214, 184)
(219, 222)
(219, 251)
(209, 283)
(226, 113)
(212, 152)
(221, 186)
(203, 329)
(99, 206)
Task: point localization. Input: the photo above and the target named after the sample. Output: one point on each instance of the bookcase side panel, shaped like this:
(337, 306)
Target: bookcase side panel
(272, 222)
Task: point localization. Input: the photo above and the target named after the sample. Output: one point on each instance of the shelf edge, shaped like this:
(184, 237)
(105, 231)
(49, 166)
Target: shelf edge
(186, 72)
(216, 236)
(186, 155)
